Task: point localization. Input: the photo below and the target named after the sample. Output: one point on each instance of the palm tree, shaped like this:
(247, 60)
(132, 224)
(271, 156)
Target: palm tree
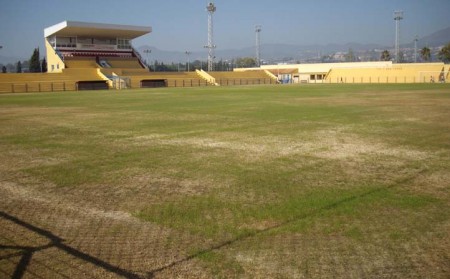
(444, 53)
(385, 56)
(425, 54)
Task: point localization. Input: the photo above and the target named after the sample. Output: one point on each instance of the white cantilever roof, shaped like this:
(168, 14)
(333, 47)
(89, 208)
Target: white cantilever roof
(98, 30)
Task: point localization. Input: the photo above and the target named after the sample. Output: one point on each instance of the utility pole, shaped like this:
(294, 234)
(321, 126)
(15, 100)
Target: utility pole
(211, 8)
(188, 60)
(398, 15)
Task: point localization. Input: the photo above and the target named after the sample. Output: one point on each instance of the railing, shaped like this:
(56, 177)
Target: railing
(177, 83)
(30, 87)
(201, 82)
(120, 83)
(383, 79)
(186, 83)
(244, 81)
(138, 55)
(26, 87)
(59, 55)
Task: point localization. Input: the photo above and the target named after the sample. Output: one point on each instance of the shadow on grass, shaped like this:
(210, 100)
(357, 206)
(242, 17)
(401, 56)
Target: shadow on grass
(26, 252)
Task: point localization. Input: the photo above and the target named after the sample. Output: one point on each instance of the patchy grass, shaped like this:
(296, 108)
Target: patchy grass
(274, 181)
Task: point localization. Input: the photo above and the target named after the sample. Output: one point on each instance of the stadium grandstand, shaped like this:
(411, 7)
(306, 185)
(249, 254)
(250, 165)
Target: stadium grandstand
(108, 48)
(83, 55)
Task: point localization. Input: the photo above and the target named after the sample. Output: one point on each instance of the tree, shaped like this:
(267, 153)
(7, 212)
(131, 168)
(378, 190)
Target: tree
(4, 69)
(19, 67)
(44, 65)
(197, 64)
(425, 53)
(35, 65)
(246, 62)
(350, 56)
(444, 54)
(385, 56)
(221, 65)
(160, 67)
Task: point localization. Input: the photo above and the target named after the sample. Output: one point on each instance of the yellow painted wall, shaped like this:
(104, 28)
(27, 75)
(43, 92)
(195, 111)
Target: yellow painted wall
(367, 72)
(326, 67)
(54, 63)
(398, 73)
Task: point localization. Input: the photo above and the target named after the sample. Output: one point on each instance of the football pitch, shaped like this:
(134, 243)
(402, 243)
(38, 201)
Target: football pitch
(312, 181)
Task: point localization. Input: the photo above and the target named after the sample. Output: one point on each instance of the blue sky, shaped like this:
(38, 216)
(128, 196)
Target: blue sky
(182, 24)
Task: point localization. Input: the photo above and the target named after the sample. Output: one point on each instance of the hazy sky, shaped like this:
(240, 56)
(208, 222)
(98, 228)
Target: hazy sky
(182, 24)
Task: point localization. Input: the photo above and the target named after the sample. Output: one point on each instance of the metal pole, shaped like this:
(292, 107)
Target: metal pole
(211, 8)
(415, 49)
(258, 45)
(188, 60)
(398, 15)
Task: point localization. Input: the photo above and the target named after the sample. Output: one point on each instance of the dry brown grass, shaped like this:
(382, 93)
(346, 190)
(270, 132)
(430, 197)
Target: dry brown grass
(313, 194)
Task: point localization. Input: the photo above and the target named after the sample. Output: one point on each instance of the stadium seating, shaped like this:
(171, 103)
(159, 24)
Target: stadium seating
(130, 73)
(80, 62)
(123, 62)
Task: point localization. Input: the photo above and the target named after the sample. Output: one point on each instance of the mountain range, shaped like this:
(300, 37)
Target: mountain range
(284, 52)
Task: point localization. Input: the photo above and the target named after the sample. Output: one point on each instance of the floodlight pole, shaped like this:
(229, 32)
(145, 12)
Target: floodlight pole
(258, 45)
(415, 49)
(188, 60)
(398, 15)
(211, 8)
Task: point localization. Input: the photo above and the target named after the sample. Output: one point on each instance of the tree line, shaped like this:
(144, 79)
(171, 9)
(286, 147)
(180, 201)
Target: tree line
(221, 65)
(424, 53)
(33, 65)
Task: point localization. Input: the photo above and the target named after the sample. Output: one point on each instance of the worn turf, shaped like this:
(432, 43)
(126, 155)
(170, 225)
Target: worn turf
(326, 181)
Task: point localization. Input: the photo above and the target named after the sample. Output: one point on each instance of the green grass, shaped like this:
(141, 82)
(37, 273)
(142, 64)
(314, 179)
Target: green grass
(250, 167)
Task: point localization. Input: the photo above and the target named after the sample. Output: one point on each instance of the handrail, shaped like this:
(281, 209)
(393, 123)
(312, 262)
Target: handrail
(59, 54)
(139, 56)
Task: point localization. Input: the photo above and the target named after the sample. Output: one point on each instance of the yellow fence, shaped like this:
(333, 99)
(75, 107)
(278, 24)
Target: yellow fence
(400, 73)
(384, 79)
(37, 87)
